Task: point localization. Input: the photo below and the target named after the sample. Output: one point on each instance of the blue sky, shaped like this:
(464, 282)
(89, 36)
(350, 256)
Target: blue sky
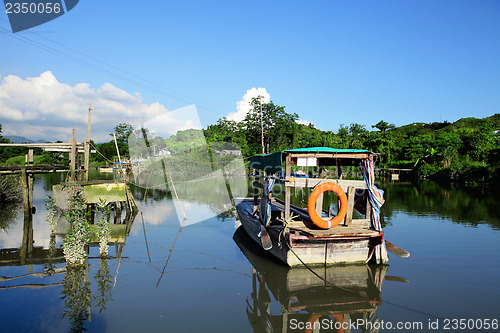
(331, 62)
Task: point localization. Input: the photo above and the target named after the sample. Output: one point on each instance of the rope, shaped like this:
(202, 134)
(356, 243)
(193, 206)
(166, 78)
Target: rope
(355, 293)
(100, 153)
(142, 217)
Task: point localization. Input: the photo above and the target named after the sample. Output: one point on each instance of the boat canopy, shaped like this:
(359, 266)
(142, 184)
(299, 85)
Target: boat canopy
(272, 163)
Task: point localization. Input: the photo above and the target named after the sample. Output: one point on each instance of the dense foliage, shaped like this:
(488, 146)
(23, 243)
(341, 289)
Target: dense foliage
(467, 149)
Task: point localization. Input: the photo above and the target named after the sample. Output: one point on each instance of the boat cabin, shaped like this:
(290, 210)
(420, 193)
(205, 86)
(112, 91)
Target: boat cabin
(324, 235)
(318, 158)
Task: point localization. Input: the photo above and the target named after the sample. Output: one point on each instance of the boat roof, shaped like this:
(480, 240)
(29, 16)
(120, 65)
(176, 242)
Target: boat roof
(325, 156)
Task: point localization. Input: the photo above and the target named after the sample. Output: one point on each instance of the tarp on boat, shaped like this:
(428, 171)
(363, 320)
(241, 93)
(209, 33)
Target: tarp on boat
(326, 150)
(272, 163)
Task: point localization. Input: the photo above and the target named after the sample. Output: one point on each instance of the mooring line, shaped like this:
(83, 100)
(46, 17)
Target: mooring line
(142, 217)
(368, 298)
(170, 254)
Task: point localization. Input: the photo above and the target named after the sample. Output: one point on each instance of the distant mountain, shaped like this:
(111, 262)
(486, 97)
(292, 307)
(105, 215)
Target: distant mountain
(22, 139)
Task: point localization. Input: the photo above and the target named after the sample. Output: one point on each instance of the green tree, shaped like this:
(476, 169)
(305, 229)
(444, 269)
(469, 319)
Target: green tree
(277, 125)
(383, 126)
(122, 132)
(353, 137)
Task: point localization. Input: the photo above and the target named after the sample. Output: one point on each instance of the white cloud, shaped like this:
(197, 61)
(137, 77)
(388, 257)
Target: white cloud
(243, 106)
(303, 122)
(168, 123)
(44, 108)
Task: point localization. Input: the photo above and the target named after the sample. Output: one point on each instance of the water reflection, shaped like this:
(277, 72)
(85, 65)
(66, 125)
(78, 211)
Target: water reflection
(8, 216)
(465, 205)
(78, 295)
(76, 286)
(286, 298)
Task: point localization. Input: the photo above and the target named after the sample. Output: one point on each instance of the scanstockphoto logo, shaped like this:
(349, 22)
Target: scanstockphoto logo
(28, 14)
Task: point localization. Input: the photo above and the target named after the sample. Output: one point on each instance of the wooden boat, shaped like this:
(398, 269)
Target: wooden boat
(284, 297)
(291, 233)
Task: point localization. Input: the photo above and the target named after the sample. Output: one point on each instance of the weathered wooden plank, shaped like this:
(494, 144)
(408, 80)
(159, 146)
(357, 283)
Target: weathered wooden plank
(24, 188)
(68, 150)
(347, 251)
(108, 192)
(312, 182)
(256, 192)
(368, 214)
(350, 205)
(130, 201)
(37, 145)
(288, 169)
(338, 231)
(361, 223)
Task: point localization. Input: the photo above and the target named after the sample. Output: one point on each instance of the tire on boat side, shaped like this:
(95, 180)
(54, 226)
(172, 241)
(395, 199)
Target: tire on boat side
(311, 205)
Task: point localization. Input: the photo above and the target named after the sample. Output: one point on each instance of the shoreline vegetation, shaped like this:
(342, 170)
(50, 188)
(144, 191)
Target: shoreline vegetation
(465, 151)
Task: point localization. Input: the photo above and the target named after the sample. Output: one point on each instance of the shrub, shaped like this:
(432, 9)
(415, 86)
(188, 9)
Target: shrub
(77, 236)
(51, 212)
(103, 227)
(10, 191)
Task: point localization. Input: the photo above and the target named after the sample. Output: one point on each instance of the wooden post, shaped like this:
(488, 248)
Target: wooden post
(29, 157)
(30, 181)
(79, 167)
(288, 169)
(87, 146)
(118, 211)
(255, 193)
(73, 157)
(27, 245)
(351, 193)
(24, 187)
(91, 212)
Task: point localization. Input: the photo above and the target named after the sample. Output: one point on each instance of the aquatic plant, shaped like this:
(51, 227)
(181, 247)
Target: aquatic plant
(10, 191)
(77, 298)
(77, 237)
(49, 267)
(104, 285)
(103, 227)
(50, 203)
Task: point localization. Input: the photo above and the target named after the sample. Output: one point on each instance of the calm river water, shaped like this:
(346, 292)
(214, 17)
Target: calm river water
(207, 276)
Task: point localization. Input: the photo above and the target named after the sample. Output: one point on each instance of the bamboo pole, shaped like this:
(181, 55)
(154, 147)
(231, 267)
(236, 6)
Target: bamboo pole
(119, 158)
(288, 169)
(87, 145)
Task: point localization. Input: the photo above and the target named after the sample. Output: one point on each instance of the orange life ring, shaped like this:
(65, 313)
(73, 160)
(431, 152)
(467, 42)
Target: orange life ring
(311, 205)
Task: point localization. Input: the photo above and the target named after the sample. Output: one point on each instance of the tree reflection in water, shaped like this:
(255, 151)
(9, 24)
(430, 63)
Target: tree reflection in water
(78, 297)
(104, 285)
(9, 215)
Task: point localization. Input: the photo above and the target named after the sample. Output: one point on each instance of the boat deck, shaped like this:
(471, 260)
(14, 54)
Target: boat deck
(303, 225)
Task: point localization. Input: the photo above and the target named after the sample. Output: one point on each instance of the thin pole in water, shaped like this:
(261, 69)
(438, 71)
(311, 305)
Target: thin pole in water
(119, 158)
